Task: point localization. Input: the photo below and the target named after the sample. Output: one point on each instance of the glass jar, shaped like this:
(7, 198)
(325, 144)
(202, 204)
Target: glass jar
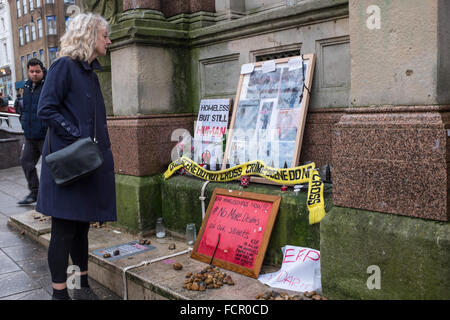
(191, 233)
(317, 281)
(160, 228)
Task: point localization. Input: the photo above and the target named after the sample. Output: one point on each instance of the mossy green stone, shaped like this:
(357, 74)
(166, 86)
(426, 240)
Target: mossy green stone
(413, 255)
(138, 202)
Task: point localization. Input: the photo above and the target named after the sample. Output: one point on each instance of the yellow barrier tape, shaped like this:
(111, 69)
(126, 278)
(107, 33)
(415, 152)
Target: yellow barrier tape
(288, 176)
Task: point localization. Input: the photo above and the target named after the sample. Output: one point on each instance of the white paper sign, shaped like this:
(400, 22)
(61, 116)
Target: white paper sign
(268, 66)
(247, 68)
(297, 271)
(295, 63)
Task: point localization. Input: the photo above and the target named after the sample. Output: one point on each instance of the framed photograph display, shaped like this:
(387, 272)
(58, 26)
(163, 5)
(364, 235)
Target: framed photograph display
(269, 113)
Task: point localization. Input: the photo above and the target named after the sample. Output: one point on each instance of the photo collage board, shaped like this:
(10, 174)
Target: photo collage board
(269, 112)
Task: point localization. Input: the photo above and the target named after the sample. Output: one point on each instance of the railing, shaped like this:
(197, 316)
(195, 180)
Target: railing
(10, 122)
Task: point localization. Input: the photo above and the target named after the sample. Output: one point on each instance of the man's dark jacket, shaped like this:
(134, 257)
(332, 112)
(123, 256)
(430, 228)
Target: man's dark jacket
(33, 128)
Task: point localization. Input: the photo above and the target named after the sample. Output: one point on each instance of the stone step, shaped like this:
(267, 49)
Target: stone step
(153, 281)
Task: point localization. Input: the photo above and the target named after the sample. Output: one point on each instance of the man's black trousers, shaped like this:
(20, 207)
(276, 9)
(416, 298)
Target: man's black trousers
(31, 152)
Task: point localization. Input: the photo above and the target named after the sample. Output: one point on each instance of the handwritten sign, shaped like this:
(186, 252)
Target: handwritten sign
(236, 230)
(210, 128)
(298, 271)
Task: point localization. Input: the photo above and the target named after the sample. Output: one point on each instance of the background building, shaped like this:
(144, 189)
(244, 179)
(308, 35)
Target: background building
(7, 70)
(37, 26)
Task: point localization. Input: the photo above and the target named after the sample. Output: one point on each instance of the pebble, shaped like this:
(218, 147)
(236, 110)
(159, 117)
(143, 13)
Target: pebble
(208, 278)
(172, 246)
(177, 266)
(275, 295)
(107, 255)
(116, 252)
(144, 241)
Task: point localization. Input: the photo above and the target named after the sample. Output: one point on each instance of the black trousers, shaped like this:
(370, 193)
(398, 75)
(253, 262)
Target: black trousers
(31, 152)
(67, 237)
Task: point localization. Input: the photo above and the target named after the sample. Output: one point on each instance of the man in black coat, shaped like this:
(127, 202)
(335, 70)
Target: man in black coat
(34, 130)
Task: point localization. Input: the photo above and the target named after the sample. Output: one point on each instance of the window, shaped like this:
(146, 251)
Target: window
(68, 19)
(31, 5)
(49, 1)
(42, 56)
(69, 1)
(19, 9)
(28, 57)
(34, 54)
(25, 7)
(27, 34)
(33, 32)
(38, 3)
(24, 73)
(3, 24)
(40, 31)
(51, 25)
(5, 50)
(52, 55)
(21, 43)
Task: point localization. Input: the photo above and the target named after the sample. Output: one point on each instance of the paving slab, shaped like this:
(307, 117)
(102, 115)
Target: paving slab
(38, 294)
(16, 282)
(7, 264)
(26, 251)
(31, 222)
(8, 239)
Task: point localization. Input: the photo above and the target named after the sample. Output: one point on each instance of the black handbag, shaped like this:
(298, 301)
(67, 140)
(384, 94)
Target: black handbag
(75, 161)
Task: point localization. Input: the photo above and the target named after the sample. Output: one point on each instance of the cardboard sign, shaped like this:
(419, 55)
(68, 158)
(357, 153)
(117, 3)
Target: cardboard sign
(210, 128)
(236, 230)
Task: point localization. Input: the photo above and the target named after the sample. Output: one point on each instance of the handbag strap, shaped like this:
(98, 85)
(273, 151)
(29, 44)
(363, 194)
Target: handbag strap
(95, 118)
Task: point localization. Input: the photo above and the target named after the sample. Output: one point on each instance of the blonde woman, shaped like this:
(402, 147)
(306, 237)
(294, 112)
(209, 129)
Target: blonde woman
(70, 101)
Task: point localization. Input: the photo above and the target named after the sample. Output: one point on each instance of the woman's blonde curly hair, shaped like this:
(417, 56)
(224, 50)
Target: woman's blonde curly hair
(80, 38)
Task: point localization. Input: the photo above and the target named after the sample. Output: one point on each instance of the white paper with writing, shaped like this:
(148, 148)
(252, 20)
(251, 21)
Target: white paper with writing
(295, 63)
(268, 66)
(247, 68)
(297, 270)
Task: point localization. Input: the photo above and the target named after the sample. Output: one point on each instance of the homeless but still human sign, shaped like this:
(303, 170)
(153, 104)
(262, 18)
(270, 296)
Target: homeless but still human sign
(298, 271)
(211, 126)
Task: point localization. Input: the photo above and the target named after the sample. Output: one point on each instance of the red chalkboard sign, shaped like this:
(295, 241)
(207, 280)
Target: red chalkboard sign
(236, 230)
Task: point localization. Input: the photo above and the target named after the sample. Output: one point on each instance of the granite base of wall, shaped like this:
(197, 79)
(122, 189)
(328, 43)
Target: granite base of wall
(318, 134)
(142, 145)
(393, 160)
(411, 254)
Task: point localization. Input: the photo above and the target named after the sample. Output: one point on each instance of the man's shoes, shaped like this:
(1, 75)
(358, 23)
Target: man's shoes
(85, 293)
(29, 199)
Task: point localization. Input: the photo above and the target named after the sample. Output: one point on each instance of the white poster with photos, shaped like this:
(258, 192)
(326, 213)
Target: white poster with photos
(269, 113)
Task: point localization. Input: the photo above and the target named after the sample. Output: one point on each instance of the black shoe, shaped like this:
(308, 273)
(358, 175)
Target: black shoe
(55, 298)
(85, 293)
(29, 199)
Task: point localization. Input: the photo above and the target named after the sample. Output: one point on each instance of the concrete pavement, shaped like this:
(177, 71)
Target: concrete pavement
(24, 273)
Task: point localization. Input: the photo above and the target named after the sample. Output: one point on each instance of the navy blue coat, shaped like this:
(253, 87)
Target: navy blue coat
(33, 128)
(69, 96)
